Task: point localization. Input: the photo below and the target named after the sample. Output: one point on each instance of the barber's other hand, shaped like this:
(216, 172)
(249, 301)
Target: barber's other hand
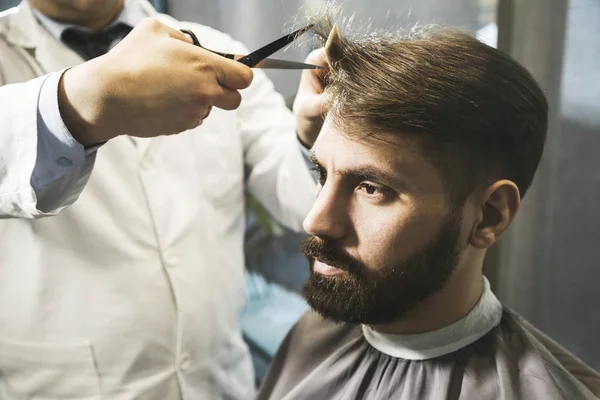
(311, 102)
(154, 82)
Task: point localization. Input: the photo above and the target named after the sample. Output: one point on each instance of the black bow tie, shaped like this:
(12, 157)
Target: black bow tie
(93, 44)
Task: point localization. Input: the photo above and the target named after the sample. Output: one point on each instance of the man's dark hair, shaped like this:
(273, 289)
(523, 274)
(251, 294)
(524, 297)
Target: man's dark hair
(476, 113)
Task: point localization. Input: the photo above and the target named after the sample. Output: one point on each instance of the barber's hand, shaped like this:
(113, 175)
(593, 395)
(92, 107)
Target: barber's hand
(310, 103)
(152, 83)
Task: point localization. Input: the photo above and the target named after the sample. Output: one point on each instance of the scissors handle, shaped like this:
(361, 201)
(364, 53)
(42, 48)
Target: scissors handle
(193, 36)
(197, 43)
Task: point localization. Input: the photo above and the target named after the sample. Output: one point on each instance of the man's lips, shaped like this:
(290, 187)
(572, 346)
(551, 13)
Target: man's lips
(326, 269)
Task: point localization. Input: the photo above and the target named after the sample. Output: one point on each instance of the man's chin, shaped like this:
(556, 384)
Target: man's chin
(343, 298)
(336, 298)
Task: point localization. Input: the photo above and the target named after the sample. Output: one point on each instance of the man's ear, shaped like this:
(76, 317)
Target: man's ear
(499, 204)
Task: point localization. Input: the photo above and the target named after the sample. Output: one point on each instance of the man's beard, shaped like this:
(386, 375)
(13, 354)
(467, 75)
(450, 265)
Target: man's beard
(386, 294)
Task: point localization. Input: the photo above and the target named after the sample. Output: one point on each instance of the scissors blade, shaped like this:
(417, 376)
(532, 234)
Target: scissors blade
(270, 63)
(258, 55)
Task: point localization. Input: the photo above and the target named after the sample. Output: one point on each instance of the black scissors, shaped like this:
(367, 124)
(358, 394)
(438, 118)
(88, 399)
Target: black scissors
(258, 58)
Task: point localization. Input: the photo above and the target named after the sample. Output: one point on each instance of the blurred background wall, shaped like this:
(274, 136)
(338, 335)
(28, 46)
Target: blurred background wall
(548, 268)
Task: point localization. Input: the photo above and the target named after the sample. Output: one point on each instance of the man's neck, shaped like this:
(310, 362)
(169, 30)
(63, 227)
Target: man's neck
(94, 21)
(449, 305)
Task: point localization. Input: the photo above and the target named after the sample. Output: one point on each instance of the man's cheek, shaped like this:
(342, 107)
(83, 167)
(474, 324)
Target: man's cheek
(403, 244)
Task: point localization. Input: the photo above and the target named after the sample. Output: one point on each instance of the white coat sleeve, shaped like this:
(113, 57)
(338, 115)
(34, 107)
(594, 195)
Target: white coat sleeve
(28, 188)
(277, 174)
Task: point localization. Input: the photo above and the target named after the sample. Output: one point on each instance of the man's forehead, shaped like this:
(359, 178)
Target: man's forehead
(337, 144)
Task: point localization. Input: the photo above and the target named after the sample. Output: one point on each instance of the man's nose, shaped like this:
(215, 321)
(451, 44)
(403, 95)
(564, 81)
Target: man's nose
(329, 214)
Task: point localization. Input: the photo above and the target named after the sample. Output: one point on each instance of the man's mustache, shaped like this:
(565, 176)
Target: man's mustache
(329, 253)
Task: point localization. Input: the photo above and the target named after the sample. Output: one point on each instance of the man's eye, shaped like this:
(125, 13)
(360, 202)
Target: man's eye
(372, 190)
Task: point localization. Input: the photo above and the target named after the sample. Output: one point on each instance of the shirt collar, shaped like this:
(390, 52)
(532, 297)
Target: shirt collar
(131, 15)
(484, 317)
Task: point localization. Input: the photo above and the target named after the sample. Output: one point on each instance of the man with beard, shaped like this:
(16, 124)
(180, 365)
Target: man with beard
(430, 142)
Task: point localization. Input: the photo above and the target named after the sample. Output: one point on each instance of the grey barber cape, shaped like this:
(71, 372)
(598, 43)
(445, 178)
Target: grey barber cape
(491, 353)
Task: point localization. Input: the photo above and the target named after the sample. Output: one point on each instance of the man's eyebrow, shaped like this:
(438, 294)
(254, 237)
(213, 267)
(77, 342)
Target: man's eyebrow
(363, 172)
(371, 173)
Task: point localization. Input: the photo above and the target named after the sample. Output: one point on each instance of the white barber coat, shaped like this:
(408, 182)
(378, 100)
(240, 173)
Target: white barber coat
(134, 291)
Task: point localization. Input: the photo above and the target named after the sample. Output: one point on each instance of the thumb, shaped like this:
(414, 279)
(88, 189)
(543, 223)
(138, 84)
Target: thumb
(177, 34)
